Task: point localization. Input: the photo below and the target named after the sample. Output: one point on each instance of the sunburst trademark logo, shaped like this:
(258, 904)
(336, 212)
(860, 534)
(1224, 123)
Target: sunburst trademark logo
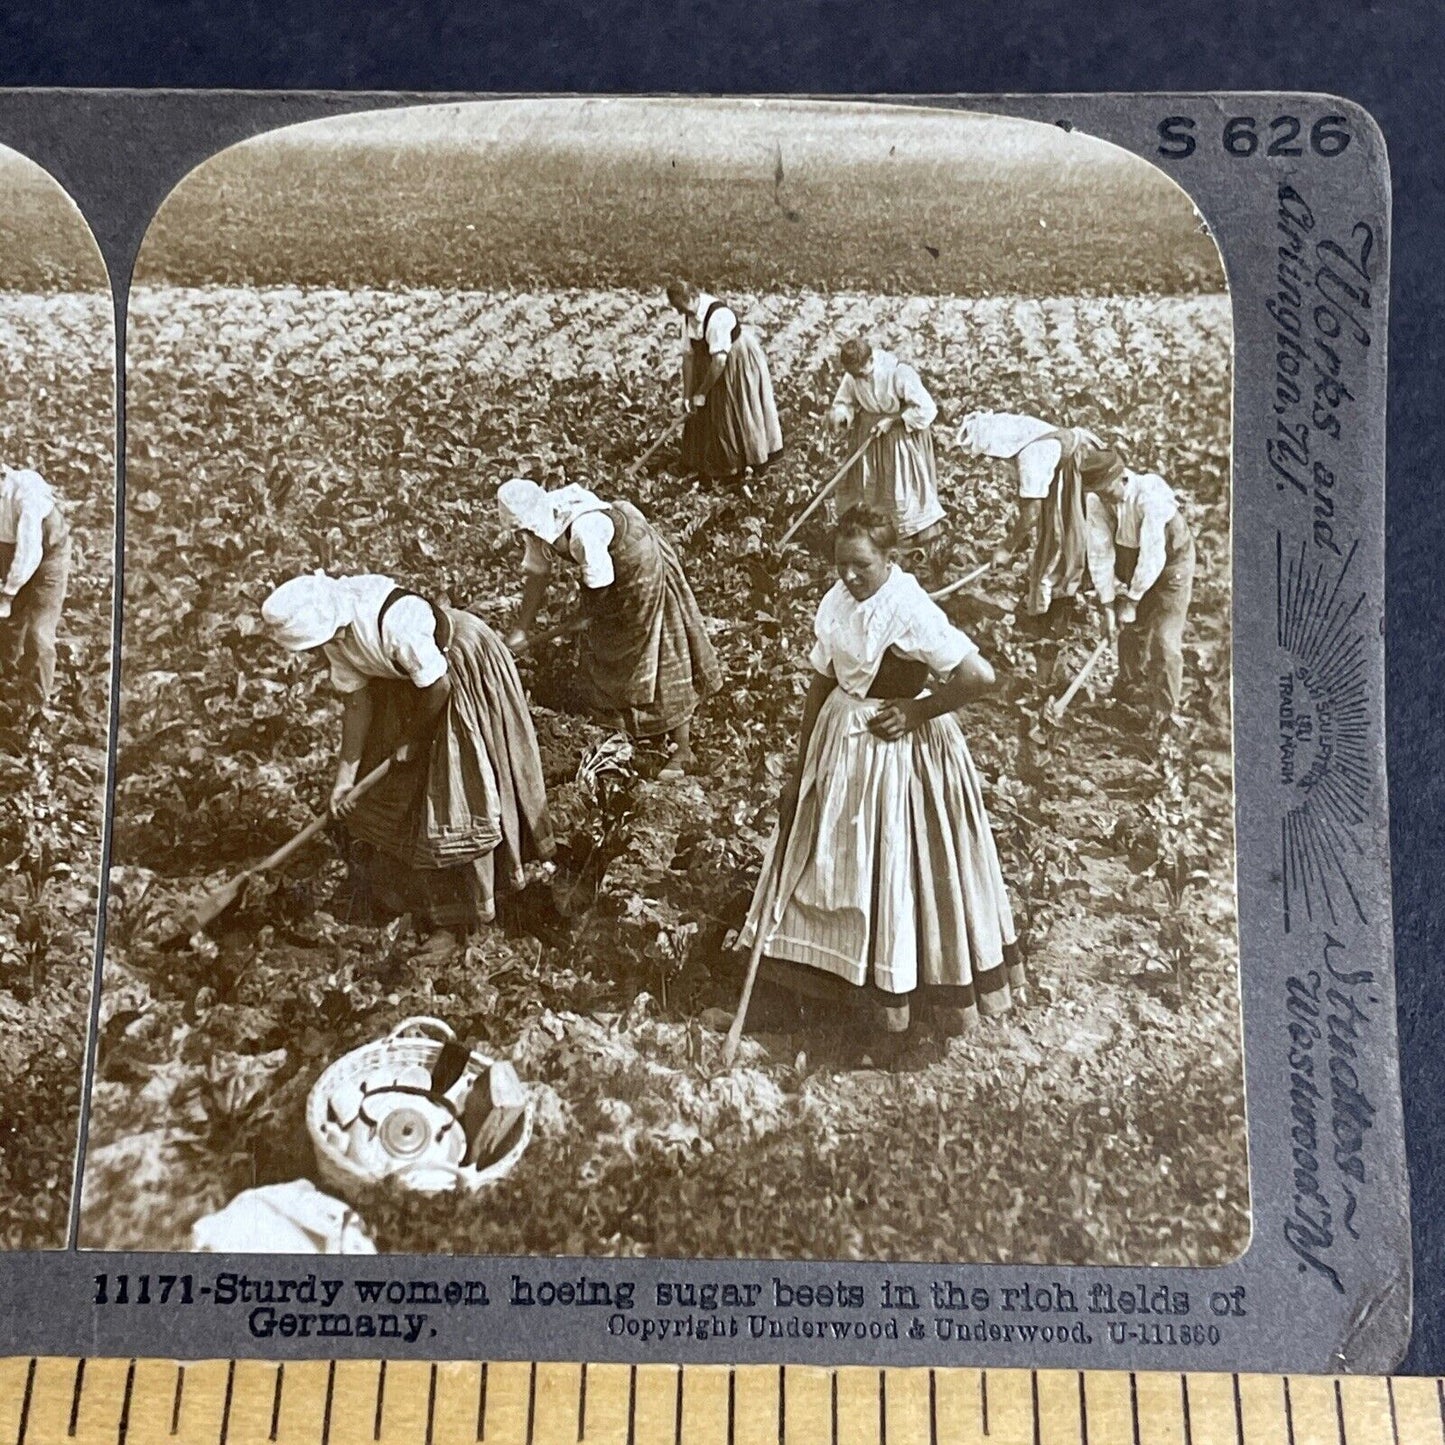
(1323, 727)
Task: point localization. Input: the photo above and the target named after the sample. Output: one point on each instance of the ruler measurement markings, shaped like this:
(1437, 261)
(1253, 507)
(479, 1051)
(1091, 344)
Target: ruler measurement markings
(1054, 1399)
(25, 1405)
(51, 1401)
(249, 1403)
(908, 1396)
(1418, 1401)
(98, 1417)
(276, 1401)
(226, 1404)
(957, 1414)
(705, 1405)
(75, 1397)
(330, 1396)
(1366, 1411)
(454, 1413)
(141, 1402)
(14, 1373)
(1158, 1401)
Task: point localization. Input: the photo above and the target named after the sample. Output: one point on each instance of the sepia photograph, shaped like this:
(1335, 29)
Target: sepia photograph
(675, 696)
(57, 548)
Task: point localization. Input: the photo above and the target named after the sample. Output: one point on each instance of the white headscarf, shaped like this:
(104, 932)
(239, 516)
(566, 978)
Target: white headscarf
(306, 611)
(526, 506)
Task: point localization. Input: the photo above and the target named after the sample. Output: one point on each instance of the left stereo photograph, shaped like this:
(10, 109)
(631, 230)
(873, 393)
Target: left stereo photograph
(57, 588)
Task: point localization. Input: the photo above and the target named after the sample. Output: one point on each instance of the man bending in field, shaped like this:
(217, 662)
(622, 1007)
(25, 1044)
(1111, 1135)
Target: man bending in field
(1135, 526)
(35, 558)
(1050, 516)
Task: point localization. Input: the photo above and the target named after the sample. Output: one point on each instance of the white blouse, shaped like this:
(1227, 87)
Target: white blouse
(26, 500)
(589, 543)
(405, 645)
(719, 332)
(891, 388)
(851, 636)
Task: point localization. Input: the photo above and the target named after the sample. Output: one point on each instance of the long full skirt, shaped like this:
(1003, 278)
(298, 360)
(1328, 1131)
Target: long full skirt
(897, 475)
(890, 876)
(738, 424)
(442, 835)
(647, 661)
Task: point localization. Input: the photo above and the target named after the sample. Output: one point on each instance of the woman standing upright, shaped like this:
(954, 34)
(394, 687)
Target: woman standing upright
(883, 873)
(646, 659)
(881, 398)
(732, 422)
(433, 689)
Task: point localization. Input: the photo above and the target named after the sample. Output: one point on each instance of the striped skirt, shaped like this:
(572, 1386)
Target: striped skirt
(647, 661)
(897, 475)
(442, 835)
(738, 424)
(890, 878)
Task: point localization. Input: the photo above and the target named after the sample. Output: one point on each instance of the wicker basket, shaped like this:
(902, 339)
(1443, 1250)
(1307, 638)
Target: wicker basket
(413, 1042)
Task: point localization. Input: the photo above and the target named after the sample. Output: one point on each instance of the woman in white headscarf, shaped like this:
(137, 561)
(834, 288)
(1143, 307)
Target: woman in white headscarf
(646, 659)
(433, 688)
(885, 399)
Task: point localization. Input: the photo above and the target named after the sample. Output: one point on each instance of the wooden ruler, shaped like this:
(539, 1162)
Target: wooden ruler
(52, 1401)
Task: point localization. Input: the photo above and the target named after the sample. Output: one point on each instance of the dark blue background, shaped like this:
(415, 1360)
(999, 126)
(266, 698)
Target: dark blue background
(1382, 55)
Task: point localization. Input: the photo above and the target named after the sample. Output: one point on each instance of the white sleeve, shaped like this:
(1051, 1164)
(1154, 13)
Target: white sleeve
(820, 657)
(919, 409)
(37, 502)
(1156, 507)
(930, 637)
(409, 637)
(720, 332)
(843, 409)
(1037, 464)
(591, 545)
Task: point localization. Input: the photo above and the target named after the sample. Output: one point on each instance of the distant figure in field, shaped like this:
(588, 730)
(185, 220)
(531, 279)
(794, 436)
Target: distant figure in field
(732, 426)
(1135, 528)
(433, 689)
(35, 559)
(881, 397)
(647, 662)
(1050, 515)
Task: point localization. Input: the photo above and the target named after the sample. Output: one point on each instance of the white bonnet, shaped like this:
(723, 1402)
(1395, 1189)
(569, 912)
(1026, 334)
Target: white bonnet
(305, 612)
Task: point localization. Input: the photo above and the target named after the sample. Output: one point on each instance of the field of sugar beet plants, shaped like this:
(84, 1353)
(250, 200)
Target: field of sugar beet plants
(282, 428)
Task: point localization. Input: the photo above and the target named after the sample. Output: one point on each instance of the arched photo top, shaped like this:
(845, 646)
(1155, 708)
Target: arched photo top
(581, 192)
(46, 246)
